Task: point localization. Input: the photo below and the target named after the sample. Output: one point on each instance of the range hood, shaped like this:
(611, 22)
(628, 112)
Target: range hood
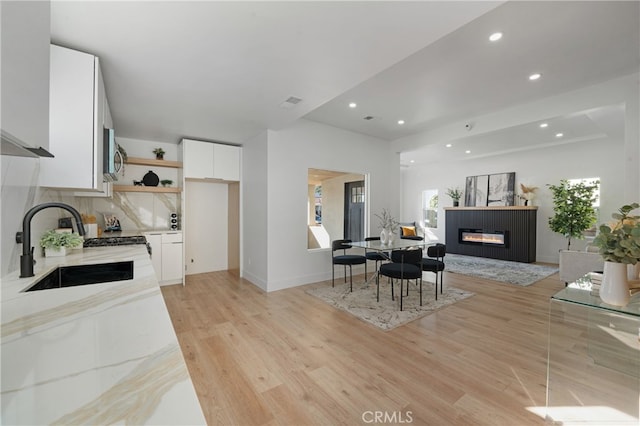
(15, 147)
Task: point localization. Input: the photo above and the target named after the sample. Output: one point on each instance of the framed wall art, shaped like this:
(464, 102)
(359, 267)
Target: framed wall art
(490, 190)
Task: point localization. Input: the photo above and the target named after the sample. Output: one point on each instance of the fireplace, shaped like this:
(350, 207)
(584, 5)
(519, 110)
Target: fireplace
(483, 237)
(496, 232)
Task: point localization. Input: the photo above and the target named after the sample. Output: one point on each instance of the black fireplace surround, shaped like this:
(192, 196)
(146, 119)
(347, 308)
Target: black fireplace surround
(506, 233)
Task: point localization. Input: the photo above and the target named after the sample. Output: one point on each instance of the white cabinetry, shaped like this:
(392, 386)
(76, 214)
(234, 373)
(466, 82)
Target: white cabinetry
(166, 256)
(25, 36)
(77, 120)
(207, 160)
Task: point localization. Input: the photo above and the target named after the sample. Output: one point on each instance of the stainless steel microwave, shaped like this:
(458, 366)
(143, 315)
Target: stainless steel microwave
(112, 158)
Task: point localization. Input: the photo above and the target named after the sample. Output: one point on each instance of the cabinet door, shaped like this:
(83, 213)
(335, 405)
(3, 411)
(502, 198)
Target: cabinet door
(71, 102)
(226, 162)
(172, 261)
(155, 241)
(197, 159)
(25, 34)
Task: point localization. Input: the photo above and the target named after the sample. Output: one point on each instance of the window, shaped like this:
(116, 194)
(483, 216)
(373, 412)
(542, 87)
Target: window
(430, 208)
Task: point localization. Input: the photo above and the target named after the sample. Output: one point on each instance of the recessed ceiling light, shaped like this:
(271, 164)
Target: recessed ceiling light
(448, 145)
(544, 125)
(353, 105)
(559, 135)
(495, 36)
(535, 76)
(401, 122)
(467, 152)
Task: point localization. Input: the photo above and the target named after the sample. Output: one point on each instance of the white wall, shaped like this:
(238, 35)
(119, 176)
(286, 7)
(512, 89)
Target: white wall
(254, 210)
(291, 152)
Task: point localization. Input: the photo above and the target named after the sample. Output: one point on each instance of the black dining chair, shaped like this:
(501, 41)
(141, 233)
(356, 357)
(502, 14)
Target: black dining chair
(376, 255)
(346, 260)
(435, 263)
(404, 265)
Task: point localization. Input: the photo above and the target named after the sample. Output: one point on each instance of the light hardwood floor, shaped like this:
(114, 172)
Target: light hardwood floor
(287, 358)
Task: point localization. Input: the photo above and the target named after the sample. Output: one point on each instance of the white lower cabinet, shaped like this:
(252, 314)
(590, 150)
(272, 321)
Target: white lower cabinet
(166, 256)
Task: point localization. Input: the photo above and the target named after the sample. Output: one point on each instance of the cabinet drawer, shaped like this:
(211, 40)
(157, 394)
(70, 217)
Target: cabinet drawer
(172, 237)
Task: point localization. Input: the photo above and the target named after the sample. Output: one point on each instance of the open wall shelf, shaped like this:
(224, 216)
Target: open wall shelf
(153, 162)
(138, 188)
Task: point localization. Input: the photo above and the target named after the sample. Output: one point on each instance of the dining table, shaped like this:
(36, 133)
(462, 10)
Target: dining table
(387, 248)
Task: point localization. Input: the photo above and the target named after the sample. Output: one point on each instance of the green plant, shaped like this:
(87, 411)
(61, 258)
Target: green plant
(454, 193)
(620, 241)
(159, 152)
(54, 240)
(166, 182)
(387, 221)
(573, 211)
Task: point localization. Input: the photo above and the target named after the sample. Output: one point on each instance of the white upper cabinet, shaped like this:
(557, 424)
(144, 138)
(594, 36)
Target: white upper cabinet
(77, 118)
(206, 160)
(25, 39)
(197, 159)
(226, 162)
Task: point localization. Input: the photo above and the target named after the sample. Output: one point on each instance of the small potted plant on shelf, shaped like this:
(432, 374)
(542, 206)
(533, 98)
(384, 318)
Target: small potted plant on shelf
(57, 243)
(159, 152)
(455, 194)
(166, 182)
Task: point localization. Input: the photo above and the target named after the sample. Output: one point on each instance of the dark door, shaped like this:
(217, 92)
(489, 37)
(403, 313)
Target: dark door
(354, 211)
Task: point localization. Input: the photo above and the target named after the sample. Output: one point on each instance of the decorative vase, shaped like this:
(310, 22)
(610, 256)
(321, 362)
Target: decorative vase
(615, 287)
(150, 179)
(390, 236)
(456, 203)
(383, 237)
(55, 251)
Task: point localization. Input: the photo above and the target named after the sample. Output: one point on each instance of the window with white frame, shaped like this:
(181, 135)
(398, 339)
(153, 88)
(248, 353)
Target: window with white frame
(430, 208)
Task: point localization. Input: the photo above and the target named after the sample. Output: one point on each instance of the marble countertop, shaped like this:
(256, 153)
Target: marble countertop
(94, 354)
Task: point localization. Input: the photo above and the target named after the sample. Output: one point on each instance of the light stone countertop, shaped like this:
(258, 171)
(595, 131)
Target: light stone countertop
(94, 354)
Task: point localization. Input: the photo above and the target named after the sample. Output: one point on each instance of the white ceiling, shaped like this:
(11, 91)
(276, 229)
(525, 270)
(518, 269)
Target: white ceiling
(220, 70)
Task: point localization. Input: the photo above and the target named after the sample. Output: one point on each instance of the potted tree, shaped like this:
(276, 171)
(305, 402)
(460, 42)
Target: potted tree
(455, 194)
(57, 243)
(573, 211)
(619, 244)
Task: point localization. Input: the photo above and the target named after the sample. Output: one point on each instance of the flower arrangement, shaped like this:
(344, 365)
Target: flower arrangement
(619, 241)
(387, 221)
(55, 240)
(528, 193)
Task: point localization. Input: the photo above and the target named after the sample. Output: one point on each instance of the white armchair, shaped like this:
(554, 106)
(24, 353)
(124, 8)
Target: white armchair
(576, 264)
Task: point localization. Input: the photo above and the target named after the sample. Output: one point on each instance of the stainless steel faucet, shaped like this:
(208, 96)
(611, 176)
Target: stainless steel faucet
(24, 237)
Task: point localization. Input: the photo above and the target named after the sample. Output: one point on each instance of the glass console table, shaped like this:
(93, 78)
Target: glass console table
(593, 373)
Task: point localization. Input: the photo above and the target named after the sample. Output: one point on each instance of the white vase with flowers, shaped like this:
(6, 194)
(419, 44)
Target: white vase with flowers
(619, 244)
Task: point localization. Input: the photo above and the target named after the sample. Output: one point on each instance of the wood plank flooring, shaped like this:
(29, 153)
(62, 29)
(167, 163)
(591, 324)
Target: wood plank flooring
(287, 358)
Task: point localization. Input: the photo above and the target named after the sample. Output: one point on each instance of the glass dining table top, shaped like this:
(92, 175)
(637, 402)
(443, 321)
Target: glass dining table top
(396, 244)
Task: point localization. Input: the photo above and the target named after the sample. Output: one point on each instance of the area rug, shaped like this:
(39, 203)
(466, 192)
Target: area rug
(386, 314)
(519, 273)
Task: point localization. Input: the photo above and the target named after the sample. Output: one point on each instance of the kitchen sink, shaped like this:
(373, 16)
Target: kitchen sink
(69, 276)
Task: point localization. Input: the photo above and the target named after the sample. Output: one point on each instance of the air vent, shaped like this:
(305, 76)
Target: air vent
(368, 117)
(290, 102)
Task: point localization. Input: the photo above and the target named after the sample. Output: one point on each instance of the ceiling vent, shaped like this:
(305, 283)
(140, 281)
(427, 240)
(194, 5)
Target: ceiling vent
(369, 117)
(290, 102)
